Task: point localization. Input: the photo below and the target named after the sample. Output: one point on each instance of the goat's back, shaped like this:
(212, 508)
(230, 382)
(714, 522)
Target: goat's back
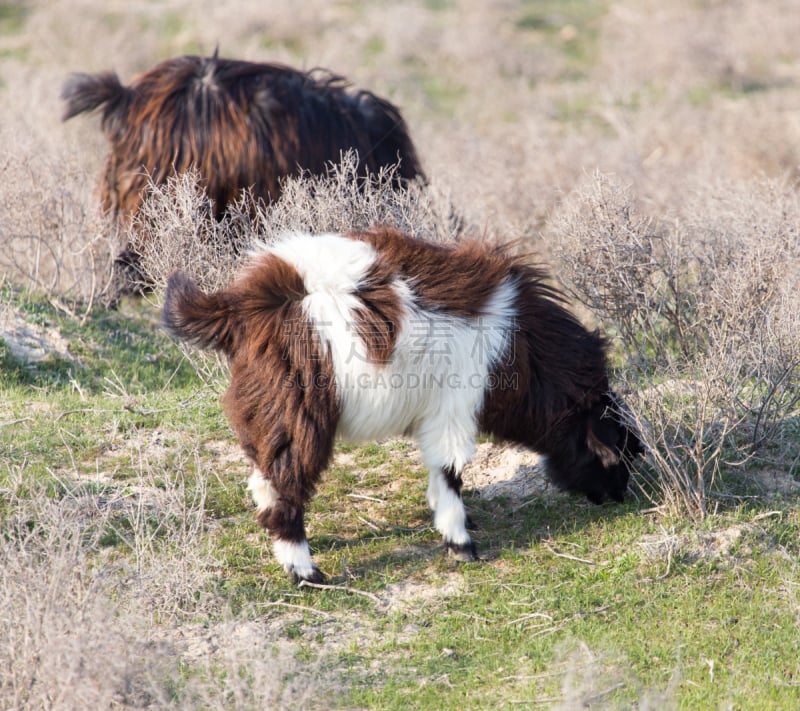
(240, 125)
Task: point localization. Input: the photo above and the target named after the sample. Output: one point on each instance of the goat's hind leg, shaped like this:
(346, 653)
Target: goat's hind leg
(284, 521)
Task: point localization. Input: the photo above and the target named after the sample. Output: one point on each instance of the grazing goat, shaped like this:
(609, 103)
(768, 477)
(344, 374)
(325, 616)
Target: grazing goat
(241, 126)
(376, 333)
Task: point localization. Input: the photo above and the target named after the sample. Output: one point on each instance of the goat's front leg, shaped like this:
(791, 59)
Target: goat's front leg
(283, 518)
(449, 515)
(447, 443)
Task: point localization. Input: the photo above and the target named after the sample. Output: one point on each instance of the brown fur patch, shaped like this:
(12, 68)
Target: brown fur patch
(281, 401)
(457, 279)
(379, 320)
(555, 369)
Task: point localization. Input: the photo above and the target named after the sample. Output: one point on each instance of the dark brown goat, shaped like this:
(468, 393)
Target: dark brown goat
(372, 334)
(242, 126)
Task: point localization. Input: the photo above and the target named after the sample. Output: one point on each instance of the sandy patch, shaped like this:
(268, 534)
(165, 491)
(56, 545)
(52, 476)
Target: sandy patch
(505, 470)
(28, 341)
(227, 452)
(411, 593)
(693, 547)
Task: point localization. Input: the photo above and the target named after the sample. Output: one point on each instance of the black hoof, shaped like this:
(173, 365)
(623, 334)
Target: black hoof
(315, 576)
(464, 552)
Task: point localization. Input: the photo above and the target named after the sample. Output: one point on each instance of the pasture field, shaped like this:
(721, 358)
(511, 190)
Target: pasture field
(648, 151)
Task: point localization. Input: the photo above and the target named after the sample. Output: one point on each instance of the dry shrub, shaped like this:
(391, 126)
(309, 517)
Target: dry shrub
(83, 626)
(64, 645)
(241, 665)
(173, 229)
(341, 202)
(591, 678)
(54, 238)
(705, 307)
(164, 525)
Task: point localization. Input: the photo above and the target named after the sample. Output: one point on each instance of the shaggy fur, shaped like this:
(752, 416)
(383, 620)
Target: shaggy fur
(240, 125)
(372, 334)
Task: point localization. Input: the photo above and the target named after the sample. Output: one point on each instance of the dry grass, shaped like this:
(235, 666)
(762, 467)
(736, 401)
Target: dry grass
(65, 644)
(62, 247)
(706, 310)
(85, 625)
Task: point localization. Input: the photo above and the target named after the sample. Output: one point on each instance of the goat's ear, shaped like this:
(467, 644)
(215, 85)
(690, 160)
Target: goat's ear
(602, 441)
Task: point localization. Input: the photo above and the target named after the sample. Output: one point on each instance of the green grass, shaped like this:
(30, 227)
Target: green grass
(12, 17)
(571, 25)
(645, 623)
(571, 601)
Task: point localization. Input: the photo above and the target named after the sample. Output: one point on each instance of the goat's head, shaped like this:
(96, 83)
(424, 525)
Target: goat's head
(597, 459)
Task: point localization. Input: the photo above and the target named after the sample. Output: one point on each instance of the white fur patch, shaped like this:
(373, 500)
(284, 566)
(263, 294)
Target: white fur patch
(264, 494)
(294, 557)
(434, 383)
(329, 264)
(449, 517)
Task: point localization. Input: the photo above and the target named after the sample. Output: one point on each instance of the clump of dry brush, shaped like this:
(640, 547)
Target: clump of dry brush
(173, 229)
(706, 309)
(73, 614)
(54, 239)
(85, 625)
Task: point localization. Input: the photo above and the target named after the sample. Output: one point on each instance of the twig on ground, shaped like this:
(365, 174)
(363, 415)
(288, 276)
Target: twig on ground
(343, 588)
(527, 617)
(569, 557)
(768, 514)
(302, 608)
(366, 498)
(11, 423)
(369, 523)
(603, 694)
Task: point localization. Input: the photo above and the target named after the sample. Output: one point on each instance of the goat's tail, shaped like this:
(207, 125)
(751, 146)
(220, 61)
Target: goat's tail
(87, 92)
(205, 320)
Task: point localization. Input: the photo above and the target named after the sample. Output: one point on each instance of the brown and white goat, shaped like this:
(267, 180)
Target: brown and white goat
(376, 333)
(241, 126)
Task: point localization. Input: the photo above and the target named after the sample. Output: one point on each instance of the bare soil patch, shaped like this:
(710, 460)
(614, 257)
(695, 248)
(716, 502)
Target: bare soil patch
(26, 340)
(506, 470)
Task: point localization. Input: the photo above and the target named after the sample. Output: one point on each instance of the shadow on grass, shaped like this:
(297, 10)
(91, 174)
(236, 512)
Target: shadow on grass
(501, 525)
(356, 552)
